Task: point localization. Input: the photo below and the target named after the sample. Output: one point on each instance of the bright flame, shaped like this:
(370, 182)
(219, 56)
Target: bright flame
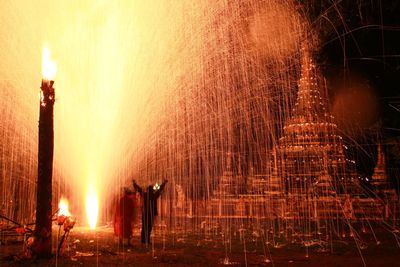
(63, 207)
(156, 187)
(92, 208)
(49, 68)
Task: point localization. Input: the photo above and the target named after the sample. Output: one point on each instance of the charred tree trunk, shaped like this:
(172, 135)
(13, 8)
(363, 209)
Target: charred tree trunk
(42, 233)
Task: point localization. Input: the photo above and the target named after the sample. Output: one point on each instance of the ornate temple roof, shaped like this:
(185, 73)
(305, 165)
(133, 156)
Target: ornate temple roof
(311, 151)
(310, 106)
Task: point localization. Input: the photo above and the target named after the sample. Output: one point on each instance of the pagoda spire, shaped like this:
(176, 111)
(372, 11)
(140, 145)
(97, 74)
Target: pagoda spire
(309, 104)
(380, 178)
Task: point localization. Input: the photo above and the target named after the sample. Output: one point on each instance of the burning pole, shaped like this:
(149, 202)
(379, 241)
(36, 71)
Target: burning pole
(42, 234)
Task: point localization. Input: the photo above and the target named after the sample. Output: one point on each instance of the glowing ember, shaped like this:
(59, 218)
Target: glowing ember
(92, 208)
(63, 207)
(156, 187)
(49, 68)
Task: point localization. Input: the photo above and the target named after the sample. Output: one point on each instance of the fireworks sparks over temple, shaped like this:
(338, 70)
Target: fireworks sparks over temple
(256, 132)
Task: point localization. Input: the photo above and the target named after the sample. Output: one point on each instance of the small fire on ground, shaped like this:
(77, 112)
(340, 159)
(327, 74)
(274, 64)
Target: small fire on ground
(63, 207)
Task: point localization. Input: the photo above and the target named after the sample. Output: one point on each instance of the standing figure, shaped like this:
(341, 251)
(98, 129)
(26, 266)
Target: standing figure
(149, 207)
(124, 216)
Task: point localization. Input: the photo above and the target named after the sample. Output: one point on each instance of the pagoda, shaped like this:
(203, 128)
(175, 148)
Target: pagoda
(230, 184)
(380, 180)
(311, 153)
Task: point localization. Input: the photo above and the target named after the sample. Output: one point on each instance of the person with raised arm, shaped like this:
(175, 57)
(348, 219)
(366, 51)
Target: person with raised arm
(149, 197)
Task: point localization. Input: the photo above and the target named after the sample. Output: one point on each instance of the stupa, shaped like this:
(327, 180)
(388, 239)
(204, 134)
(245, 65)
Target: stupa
(311, 153)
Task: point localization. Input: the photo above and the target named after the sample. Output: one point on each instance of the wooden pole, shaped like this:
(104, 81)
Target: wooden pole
(42, 233)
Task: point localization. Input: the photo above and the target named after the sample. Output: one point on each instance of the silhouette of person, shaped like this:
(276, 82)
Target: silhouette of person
(149, 207)
(124, 216)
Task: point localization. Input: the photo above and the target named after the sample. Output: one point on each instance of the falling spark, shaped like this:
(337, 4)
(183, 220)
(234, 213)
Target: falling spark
(161, 89)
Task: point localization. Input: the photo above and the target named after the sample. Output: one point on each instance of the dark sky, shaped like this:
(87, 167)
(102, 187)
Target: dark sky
(362, 38)
(360, 43)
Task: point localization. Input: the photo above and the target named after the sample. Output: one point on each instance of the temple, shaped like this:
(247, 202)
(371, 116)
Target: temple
(311, 153)
(309, 174)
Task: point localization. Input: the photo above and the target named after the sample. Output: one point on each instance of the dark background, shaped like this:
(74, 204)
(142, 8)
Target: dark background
(360, 47)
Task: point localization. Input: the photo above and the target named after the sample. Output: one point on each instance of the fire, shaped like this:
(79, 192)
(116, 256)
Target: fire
(156, 187)
(92, 208)
(49, 68)
(63, 207)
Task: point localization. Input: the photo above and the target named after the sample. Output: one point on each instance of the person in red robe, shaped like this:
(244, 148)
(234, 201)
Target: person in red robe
(124, 216)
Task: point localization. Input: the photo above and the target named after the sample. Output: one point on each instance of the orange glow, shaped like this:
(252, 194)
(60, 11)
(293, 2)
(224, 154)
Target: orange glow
(355, 107)
(119, 69)
(104, 90)
(264, 25)
(92, 208)
(49, 68)
(63, 207)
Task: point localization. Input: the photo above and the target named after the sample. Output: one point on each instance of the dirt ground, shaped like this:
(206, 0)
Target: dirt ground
(100, 248)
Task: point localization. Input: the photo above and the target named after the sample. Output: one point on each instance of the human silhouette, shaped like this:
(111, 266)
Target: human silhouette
(124, 216)
(149, 207)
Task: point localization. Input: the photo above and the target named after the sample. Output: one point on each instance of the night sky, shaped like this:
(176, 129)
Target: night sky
(360, 48)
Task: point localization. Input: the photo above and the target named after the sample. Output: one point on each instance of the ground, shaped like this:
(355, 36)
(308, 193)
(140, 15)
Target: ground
(100, 248)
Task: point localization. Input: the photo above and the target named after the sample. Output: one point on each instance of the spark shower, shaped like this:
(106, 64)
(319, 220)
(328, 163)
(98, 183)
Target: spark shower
(147, 90)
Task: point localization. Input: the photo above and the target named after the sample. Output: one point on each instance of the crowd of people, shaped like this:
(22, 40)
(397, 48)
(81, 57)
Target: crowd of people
(128, 205)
